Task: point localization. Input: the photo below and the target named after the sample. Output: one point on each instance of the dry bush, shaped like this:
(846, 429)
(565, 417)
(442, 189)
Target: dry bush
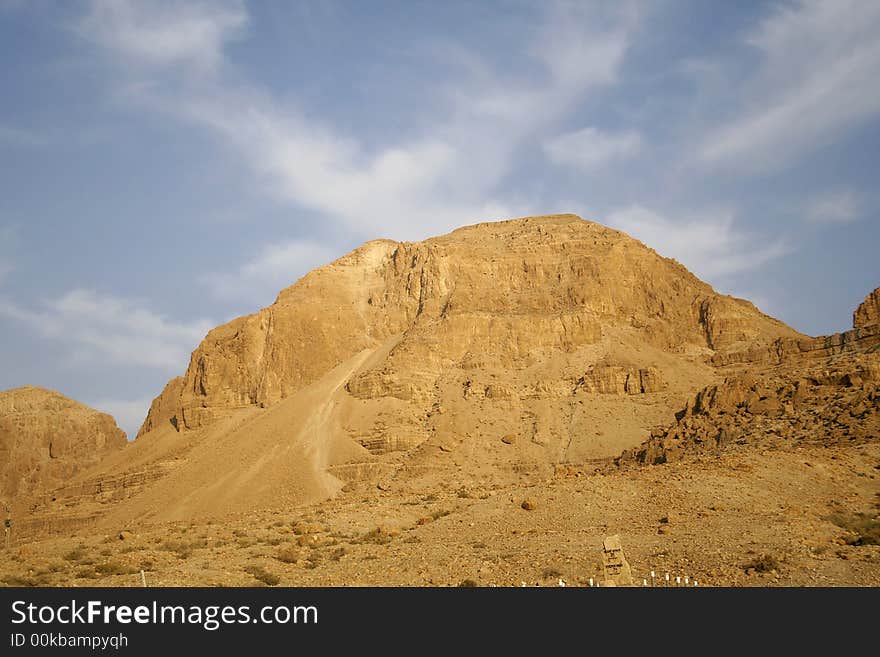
(862, 529)
(78, 553)
(114, 568)
(37, 579)
(262, 575)
(183, 549)
(288, 554)
(763, 563)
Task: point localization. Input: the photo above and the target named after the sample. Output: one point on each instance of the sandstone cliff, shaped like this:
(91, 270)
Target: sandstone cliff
(45, 438)
(163, 410)
(868, 312)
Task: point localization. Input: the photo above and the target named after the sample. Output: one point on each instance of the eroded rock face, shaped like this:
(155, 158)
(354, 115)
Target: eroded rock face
(621, 380)
(163, 410)
(507, 293)
(868, 312)
(45, 438)
(824, 403)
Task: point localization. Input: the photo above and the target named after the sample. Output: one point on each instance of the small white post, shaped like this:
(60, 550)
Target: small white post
(644, 582)
(143, 579)
(591, 582)
(667, 579)
(678, 580)
(652, 579)
(695, 582)
(686, 580)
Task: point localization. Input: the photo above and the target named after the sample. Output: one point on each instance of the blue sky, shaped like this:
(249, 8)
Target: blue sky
(166, 166)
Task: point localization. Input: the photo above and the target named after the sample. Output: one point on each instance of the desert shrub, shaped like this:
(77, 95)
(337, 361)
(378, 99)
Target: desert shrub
(183, 549)
(288, 554)
(262, 575)
(468, 583)
(862, 529)
(376, 536)
(38, 579)
(78, 554)
(87, 572)
(114, 568)
(763, 563)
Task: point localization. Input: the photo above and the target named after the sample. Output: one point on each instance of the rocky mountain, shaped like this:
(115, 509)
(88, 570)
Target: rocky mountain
(505, 293)
(46, 438)
(496, 351)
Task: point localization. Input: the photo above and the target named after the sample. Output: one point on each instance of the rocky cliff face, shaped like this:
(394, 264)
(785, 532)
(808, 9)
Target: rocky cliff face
(868, 312)
(510, 294)
(823, 390)
(45, 438)
(163, 410)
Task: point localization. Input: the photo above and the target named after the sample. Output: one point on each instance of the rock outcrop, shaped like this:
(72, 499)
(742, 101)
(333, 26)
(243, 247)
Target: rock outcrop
(45, 438)
(868, 312)
(823, 390)
(163, 410)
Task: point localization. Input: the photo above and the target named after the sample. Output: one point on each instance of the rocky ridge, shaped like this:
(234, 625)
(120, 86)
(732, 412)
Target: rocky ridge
(46, 438)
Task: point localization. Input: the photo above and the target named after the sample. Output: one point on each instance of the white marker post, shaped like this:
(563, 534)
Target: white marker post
(685, 581)
(591, 582)
(667, 579)
(678, 580)
(143, 579)
(652, 579)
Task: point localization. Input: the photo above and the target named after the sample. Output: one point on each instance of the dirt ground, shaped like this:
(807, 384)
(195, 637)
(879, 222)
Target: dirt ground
(805, 516)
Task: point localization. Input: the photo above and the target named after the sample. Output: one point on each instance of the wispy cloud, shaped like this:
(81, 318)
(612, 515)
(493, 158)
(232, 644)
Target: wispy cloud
(837, 207)
(422, 185)
(166, 34)
(818, 77)
(709, 245)
(107, 328)
(276, 267)
(589, 148)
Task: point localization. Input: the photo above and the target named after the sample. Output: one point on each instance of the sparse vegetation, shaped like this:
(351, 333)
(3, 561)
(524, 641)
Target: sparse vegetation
(861, 528)
(288, 555)
(763, 563)
(79, 554)
(262, 575)
(183, 549)
(114, 568)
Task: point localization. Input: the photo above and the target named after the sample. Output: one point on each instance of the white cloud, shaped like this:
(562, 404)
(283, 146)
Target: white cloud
(108, 328)
(418, 186)
(821, 63)
(710, 246)
(590, 148)
(276, 267)
(838, 207)
(164, 34)
(128, 413)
